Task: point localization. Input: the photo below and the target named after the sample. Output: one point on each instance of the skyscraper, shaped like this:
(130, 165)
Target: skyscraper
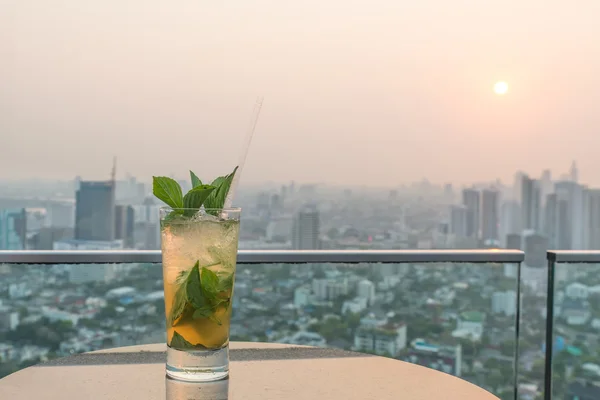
(13, 229)
(574, 173)
(530, 204)
(124, 225)
(95, 211)
(305, 230)
(489, 207)
(458, 220)
(551, 220)
(571, 214)
(471, 202)
(593, 220)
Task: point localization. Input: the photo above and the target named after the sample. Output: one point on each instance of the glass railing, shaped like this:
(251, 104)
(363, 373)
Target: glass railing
(454, 311)
(573, 326)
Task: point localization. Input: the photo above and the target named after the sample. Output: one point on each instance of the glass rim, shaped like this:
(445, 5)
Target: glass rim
(228, 209)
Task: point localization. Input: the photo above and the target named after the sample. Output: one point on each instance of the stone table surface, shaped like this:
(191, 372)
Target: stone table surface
(258, 371)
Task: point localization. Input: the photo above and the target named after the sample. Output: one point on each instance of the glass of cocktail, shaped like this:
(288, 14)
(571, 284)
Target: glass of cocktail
(199, 239)
(199, 258)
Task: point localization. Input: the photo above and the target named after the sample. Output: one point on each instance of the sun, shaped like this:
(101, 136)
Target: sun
(500, 88)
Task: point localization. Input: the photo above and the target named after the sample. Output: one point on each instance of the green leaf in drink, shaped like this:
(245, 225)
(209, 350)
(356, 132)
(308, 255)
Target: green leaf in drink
(179, 342)
(193, 288)
(195, 180)
(167, 190)
(193, 200)
(210, 283)
(216, 200)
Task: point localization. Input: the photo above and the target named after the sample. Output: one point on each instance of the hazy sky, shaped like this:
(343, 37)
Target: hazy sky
(377, 92)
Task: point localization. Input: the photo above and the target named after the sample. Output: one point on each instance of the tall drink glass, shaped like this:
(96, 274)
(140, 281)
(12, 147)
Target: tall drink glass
(199, 258)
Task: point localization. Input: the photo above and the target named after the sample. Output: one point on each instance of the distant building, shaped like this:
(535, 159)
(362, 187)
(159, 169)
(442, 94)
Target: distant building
(530, 204)
(366, 290)
(330, 289)
(355, 306)
(471, 202)
(306, 229)
(47, 236)
(9, 319)
(13, 229)
(550, 224)
(124, 225)
(388, 339)
(95, 211)
(301, 296)
(470, 326)
(571, 215)
(458, 220)
(443, 358)
(18, 290)
(489, 215)
(593, 220)
(577, 291)
(504, 302)
(535, 247)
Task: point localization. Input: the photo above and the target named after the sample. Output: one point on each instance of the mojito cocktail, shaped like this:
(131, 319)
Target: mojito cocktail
(199, 249)
(199, 258)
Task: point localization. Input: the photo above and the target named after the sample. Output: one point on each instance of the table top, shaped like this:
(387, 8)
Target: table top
(257, 371)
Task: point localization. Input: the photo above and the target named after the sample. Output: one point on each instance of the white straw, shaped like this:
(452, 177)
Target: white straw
(244, 152)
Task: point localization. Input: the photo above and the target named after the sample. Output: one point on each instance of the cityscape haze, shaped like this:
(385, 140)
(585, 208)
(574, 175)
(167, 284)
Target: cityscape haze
(385, 125)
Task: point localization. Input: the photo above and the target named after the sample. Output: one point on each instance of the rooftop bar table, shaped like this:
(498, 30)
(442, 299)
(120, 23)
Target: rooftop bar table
(259, 371)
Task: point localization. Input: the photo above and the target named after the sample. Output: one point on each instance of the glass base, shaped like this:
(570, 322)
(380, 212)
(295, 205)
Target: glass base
(198, 365)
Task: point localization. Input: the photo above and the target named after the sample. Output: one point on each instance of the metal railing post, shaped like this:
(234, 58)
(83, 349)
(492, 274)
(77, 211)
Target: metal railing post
(549, 330)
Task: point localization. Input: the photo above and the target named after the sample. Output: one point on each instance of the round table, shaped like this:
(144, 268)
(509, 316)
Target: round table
(258, 371)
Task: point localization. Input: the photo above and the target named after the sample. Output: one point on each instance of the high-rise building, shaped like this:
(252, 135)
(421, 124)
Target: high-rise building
(13, 229)
(124, 225)
(305, 230)
(95, 211)
(574, 173)
(571, 215)
(593, 220)
(535, 247)
(510, 215)
(489, 215)
(530, 204)
(471, 202)
(551, 220)
(458, 220)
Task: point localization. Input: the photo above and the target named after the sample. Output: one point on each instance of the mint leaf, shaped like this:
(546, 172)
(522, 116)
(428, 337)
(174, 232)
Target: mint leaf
(167, 190)
(195, 197)
(179, 304)
(210, 283)
(216, 200)
(195, 180)
(178, 342)
(226, 283)
(193, 289)
(203, 312)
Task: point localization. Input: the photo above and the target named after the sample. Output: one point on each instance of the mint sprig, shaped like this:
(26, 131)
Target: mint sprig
(211, 196)
(199, 294)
